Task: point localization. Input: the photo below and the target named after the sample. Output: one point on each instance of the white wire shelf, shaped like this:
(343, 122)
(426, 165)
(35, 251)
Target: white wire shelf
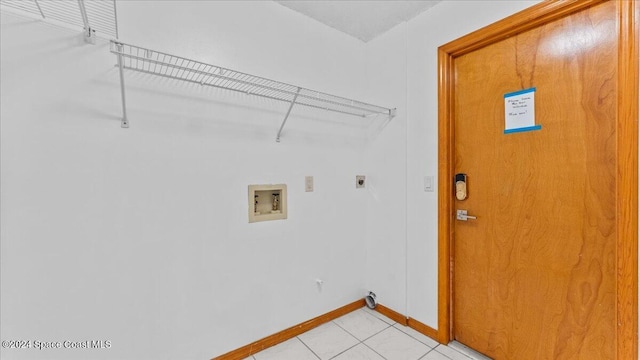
(96, 17)
(179, 68)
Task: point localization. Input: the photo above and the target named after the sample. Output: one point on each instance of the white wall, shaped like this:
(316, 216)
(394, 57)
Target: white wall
(140, 236)
(386, 162)
(413, 74)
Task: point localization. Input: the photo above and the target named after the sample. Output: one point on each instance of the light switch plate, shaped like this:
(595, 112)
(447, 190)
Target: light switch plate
(428, 183)
(360, 181)
(308, 183)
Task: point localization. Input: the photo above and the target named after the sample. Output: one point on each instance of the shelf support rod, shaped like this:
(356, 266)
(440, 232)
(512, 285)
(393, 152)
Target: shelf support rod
(125, 121)
(293, 102)
(39, 8)
(89, 33)
(115, 18)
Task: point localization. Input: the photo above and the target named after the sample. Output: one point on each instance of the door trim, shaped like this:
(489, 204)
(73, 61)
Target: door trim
(626, 157)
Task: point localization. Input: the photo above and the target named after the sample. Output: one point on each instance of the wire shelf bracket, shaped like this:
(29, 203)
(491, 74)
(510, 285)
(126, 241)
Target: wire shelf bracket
(147, 61)
(95, 17)
(293, 102)
(125, 122)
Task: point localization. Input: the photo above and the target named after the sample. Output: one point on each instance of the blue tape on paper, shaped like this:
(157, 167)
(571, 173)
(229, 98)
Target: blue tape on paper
(520, 92)
(523, 129)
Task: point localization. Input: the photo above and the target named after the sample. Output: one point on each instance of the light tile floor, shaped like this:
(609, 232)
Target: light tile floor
(365, 335)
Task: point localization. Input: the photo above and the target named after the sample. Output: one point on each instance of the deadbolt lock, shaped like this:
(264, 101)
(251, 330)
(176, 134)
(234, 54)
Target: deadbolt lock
(460, 183)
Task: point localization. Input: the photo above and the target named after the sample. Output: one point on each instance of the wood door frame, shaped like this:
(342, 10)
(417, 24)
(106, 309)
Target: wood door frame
(626, 157)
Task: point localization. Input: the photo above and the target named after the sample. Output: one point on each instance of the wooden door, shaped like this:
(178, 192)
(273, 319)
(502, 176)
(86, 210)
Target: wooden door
(535, 275)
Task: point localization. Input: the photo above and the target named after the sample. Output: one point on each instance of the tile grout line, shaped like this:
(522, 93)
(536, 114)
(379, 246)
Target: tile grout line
(386, 328)
(344, 351)
(407, 335)
(307, 346)
(452, 349)
(345, 330)
(375, 316)
(469, 355)
(415, 338)
(372, 349)
(432, 350)
(367, 337)
(390, 326)
(361, 341)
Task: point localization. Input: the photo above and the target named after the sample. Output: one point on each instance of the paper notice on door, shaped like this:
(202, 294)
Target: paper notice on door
(519, 111)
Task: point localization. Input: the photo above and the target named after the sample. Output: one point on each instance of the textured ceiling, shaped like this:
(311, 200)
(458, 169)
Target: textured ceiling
(361, 19)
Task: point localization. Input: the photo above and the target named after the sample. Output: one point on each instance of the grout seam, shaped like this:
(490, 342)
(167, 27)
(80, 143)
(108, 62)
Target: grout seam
(431, 349)
(447, 356)
(372, 349)
(345, 350)
(307, 346)
(388, 326)
(415, 338)
(377, 316)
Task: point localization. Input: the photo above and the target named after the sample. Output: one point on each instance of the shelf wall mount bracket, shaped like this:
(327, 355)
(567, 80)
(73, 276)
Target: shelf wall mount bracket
(125, 122)
(89, 33)
(293, 102)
